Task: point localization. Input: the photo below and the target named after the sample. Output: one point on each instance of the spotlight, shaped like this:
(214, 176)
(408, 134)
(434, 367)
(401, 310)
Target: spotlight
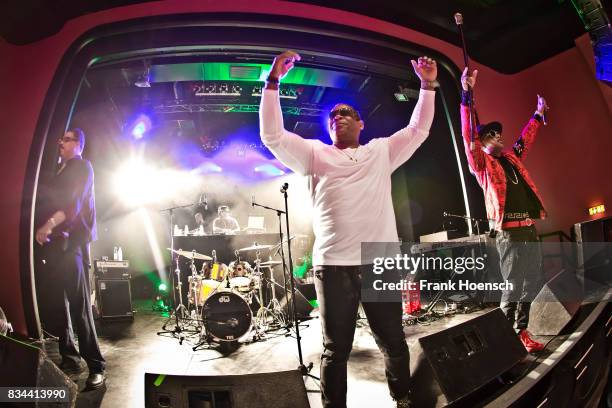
(139, 184)
(269, 170)
(161, 300)
(138, 130)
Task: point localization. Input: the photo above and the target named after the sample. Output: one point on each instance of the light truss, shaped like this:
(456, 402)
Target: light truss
(232, 108)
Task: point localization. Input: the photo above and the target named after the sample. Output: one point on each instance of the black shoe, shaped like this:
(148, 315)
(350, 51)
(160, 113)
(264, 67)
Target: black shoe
(71, 368)
(95, 380)
(405, 402)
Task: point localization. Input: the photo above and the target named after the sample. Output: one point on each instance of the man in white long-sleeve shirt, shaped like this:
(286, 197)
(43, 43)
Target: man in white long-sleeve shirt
(350, 186)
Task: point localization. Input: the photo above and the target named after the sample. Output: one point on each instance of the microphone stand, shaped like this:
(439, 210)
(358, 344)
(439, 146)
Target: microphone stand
(304, 369)
(473, 116)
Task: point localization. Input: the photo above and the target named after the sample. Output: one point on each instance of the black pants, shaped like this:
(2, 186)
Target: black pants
(521, 264)
(339, 292)
(65, 298)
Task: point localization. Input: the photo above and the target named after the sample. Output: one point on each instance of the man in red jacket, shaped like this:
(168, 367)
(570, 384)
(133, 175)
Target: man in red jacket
(512, 202)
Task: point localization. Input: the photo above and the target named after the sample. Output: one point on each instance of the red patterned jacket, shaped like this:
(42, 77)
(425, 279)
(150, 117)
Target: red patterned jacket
(490, 173)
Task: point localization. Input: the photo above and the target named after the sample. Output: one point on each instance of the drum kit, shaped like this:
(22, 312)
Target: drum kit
(226, 302)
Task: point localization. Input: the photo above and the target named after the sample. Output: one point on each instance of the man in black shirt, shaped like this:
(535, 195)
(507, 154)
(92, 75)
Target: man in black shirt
(67, 205)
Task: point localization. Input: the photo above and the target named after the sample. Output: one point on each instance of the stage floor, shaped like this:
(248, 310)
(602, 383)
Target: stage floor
(132, 348)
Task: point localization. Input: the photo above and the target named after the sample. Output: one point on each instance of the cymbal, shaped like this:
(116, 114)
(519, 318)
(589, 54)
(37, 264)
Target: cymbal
(270, 263)
(256, 247)
(284, 241)
(190, 254)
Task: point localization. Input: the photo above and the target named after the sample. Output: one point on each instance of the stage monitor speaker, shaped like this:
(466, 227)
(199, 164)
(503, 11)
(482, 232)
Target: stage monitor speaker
(114, 298)
(302, 305)
(555, 305)
(284, 389)
(23, 365)
(594, 255)
(461, 359)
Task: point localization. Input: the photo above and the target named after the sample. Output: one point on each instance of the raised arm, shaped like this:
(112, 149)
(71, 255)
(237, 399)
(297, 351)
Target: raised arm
(530, 131)
(476, 156)
(403, 143)
(293, 151)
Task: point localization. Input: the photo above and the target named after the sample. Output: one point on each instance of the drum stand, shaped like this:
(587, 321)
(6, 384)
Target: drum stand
(180, 313)
(272, 311)
(181, 310)
(274, 306)
(193, 291)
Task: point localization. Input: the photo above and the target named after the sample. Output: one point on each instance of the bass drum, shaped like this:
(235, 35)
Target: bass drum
(227, 316)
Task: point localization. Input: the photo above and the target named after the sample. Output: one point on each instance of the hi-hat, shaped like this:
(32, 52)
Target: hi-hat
(256, 247)
(190, 254)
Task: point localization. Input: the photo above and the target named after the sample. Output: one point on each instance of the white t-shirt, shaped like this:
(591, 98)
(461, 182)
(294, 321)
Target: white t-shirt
(351, 199)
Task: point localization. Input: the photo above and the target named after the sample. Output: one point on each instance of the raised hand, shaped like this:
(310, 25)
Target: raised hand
(542, 106)
(425, 68)
(283, 63)
(468, 81)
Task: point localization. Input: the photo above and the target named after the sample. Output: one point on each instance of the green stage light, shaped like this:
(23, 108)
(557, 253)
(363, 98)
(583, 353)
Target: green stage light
(162, 287)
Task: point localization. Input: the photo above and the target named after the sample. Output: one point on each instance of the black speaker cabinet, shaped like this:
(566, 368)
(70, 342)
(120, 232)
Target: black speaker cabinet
(22, 365)
(459, 360)
(284, 389)
(114, 298)
(594, 256)
(302, 305)
(556, 304)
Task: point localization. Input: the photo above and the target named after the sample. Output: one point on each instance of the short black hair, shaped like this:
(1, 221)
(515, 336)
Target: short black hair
(352, 108)
(80, 135)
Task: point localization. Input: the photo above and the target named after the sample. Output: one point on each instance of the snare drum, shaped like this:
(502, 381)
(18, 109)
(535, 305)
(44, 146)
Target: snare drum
(227, 316)
(240, 276)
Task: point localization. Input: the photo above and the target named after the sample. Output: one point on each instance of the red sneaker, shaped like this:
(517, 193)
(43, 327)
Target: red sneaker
(530, 344)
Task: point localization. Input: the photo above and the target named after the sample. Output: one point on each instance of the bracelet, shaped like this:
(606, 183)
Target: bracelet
(272, 80)
(429, 84)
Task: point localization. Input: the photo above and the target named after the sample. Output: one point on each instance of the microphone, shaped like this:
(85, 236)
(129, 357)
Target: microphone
(447, 214)
(458, 18)
(252, 201)
(284, 187)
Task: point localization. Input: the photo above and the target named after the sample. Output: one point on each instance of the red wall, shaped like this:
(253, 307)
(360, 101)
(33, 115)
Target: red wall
(568, 163)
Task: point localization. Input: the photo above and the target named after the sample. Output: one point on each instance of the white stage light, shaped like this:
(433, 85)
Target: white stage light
(137, 184)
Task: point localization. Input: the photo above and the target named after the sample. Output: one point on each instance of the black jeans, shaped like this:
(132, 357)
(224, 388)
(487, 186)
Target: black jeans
(521, 264)
(339, 293)
(66, 298)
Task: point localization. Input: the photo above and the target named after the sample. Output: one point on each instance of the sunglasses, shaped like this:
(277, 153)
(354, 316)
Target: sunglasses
(494, 134)
(67, 139)
(345, 111)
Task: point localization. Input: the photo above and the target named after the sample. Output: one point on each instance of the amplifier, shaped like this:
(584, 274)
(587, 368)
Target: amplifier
(112, 269)
(114, 298)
